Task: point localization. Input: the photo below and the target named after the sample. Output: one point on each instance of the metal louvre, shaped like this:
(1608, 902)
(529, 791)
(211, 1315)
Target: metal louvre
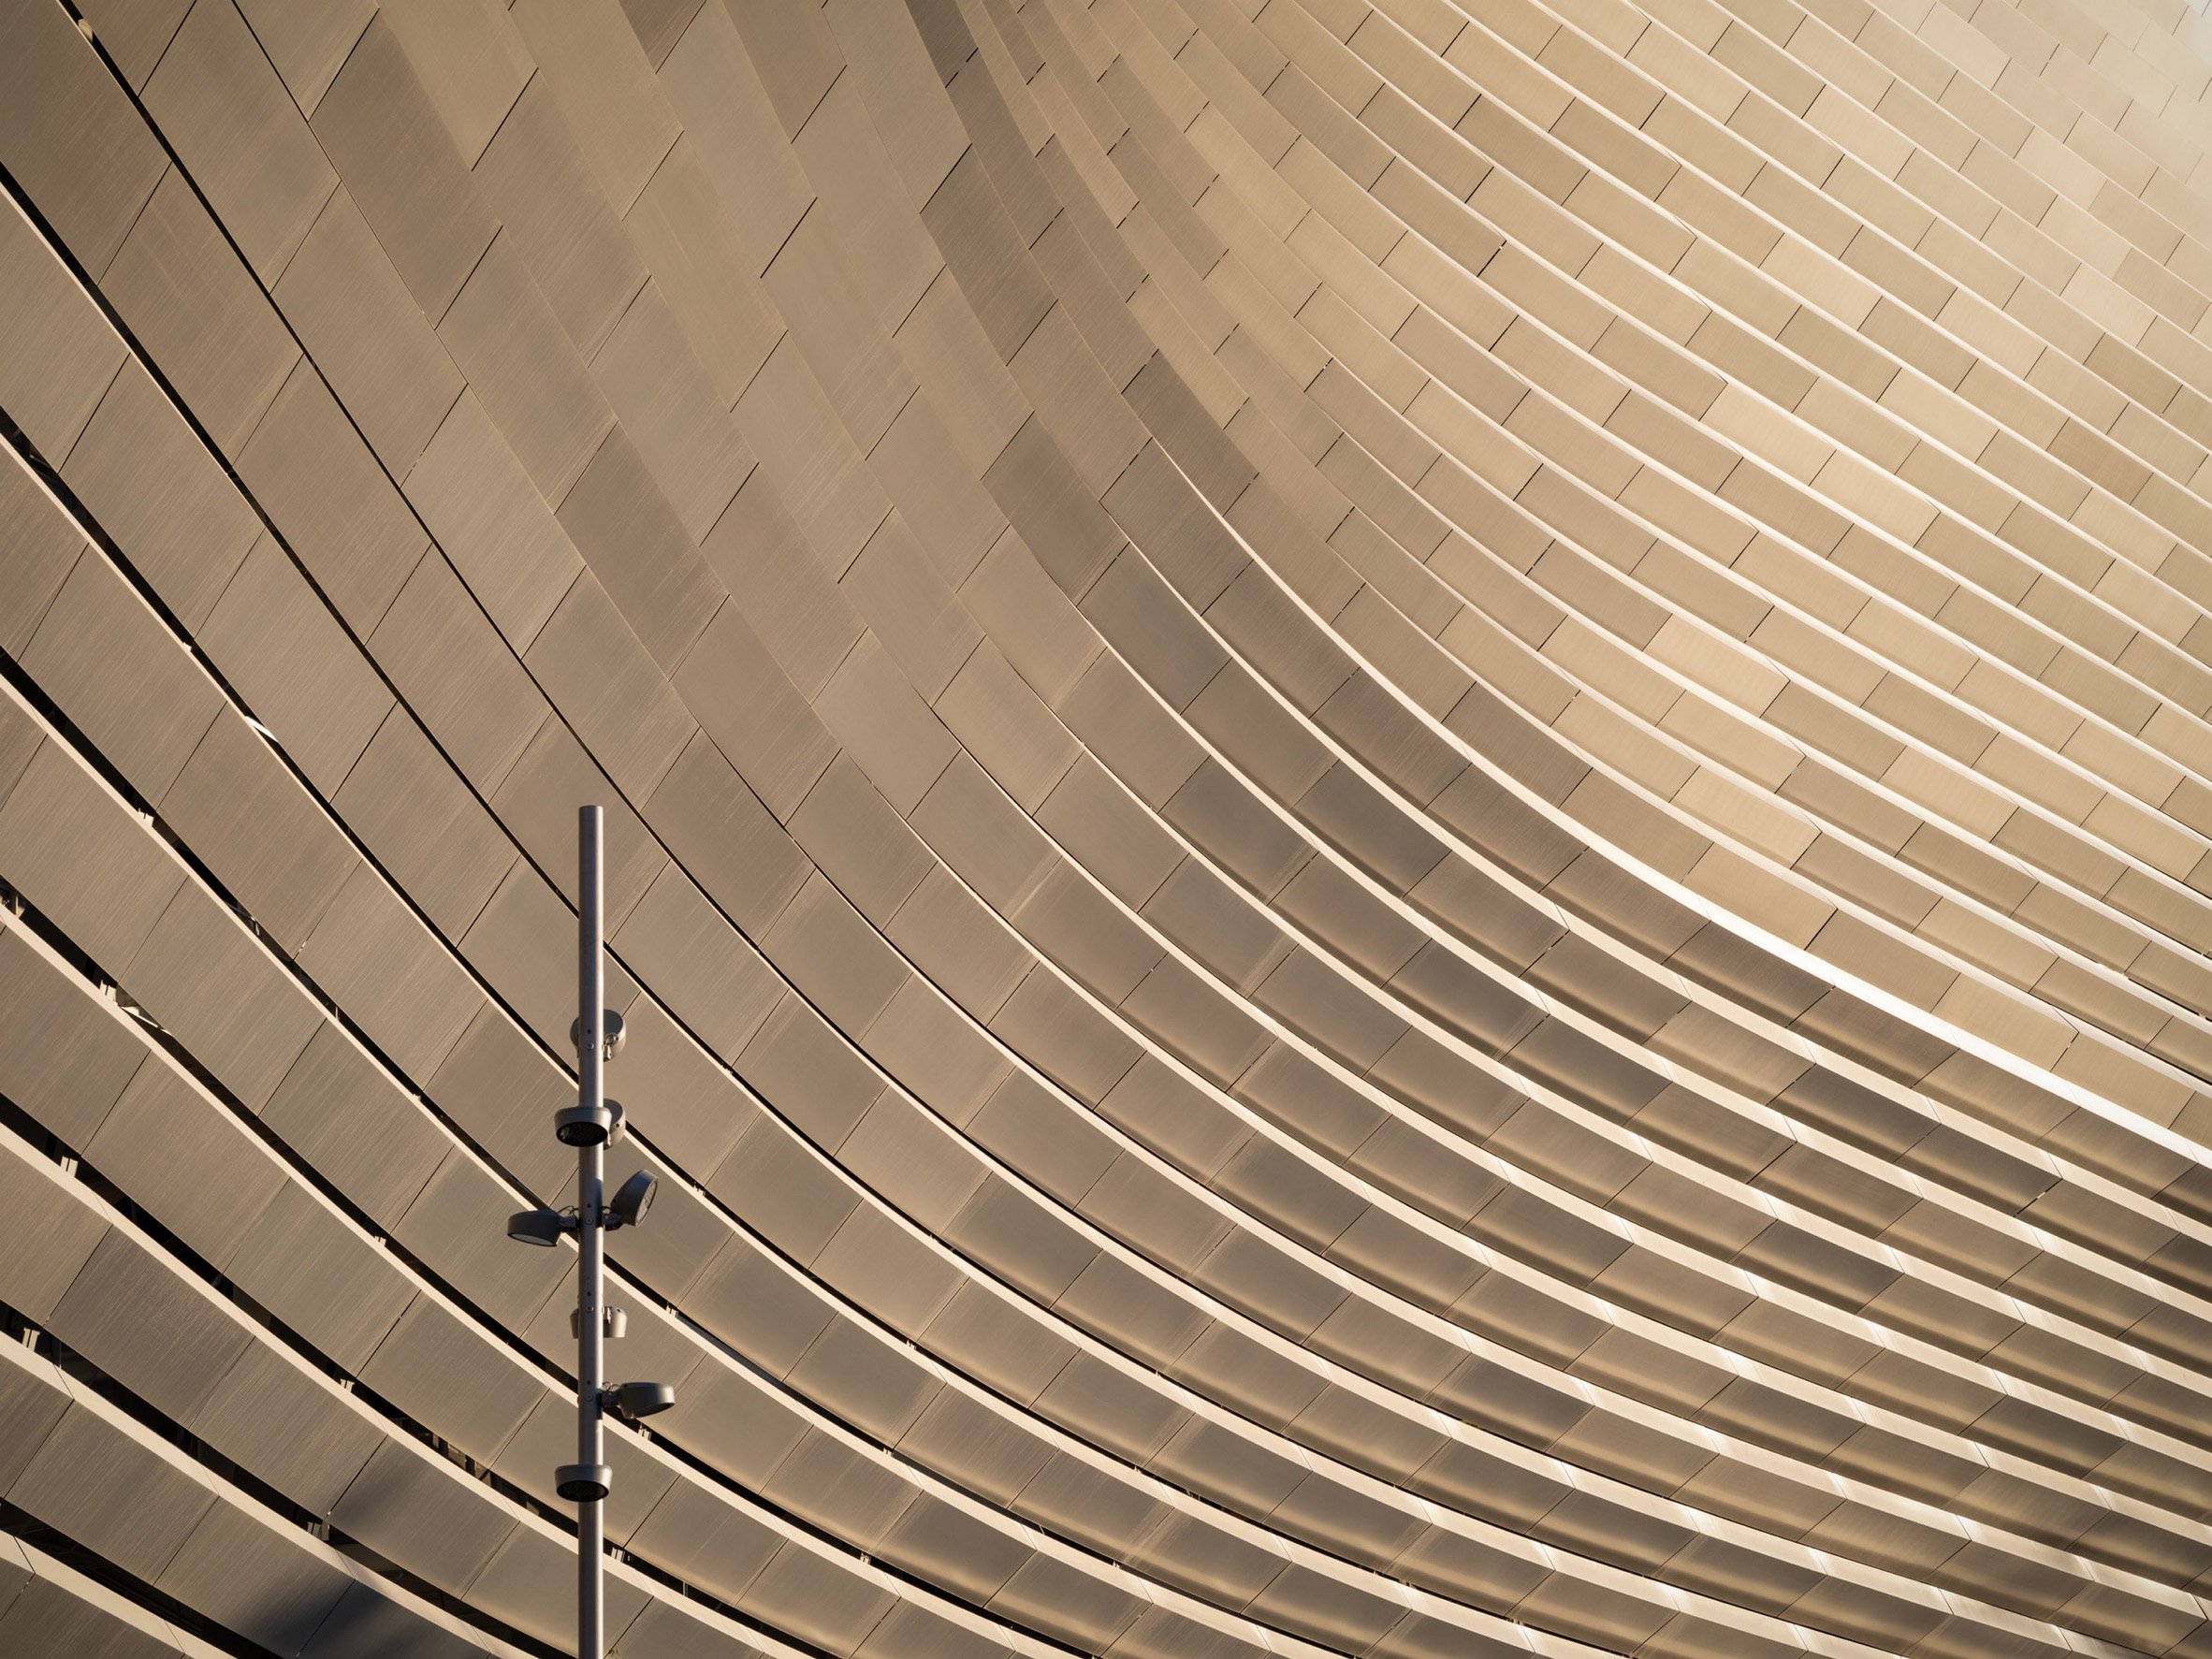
(1406, 843)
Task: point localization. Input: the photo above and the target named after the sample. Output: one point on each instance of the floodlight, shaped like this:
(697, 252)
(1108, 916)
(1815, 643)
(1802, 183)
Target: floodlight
(539, 1226)
(632, 1401)
(582, 1483)
(632, 1201)
(583, 1126)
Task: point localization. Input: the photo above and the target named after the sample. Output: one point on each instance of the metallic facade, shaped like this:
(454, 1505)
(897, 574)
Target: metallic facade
(1408, 842)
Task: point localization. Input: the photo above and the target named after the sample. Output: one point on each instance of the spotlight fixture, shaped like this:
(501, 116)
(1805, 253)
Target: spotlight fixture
(631, 1201)
(632, 1401)
(582, 1483)
(583, 1126)
(588, 1126)
(539, 1226)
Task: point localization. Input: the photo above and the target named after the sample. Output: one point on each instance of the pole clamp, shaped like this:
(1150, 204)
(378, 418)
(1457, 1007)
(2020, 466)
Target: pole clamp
(611, 1032)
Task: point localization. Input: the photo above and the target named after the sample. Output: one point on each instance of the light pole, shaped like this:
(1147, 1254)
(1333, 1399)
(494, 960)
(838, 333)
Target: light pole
(589, 1125)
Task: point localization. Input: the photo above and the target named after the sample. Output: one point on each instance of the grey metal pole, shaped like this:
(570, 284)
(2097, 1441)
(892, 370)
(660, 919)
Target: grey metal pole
(589, 1125)
(591, 1253)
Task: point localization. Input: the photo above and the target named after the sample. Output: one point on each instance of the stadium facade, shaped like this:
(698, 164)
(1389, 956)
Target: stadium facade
(1408, 828)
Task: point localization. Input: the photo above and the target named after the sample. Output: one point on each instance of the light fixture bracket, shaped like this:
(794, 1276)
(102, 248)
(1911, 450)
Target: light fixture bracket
(614, 1323)
(611, 1033)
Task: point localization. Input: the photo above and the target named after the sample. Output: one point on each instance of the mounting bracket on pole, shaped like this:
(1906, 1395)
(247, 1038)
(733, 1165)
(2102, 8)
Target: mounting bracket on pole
(611, 1033)
(614, 1323)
